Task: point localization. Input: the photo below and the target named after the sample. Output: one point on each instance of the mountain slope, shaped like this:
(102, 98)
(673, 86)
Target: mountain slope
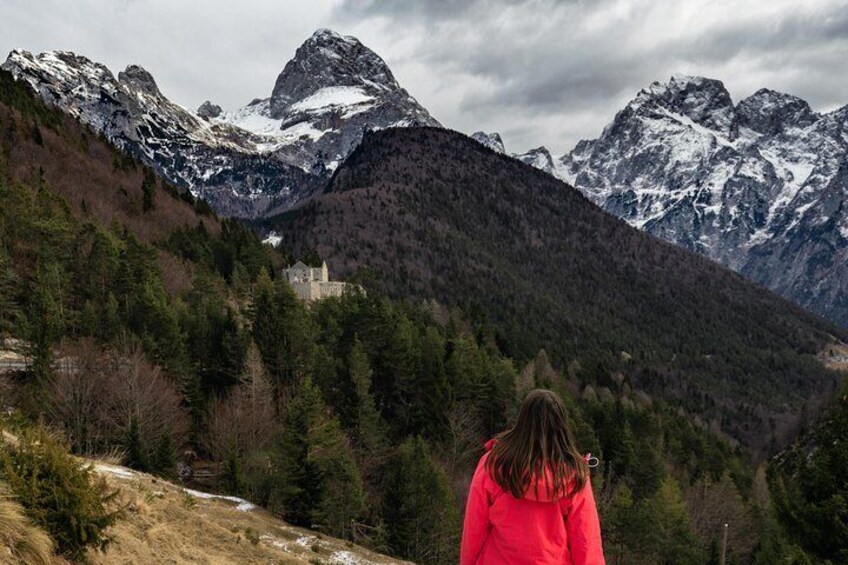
(758, 186)
(434, 214)
(213, 529)
(44, 146)
(270, 153)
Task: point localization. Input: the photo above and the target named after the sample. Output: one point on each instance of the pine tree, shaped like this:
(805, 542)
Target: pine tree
(110, 322)
(666, 527)
(418, 507)
(368, 435)
(318, 483)
(89, 322)
(163, 460)
(136, 452)
(45, 318)
(10, 311)
(433, 391)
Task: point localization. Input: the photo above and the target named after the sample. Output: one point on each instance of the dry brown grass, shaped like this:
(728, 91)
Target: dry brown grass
(20, 540)
(163, 524)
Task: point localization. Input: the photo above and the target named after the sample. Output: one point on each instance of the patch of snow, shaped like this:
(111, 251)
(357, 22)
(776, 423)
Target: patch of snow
(122, 472)
(302, 129)
(305, 541)
(687, 121)
(243, 505)
(345, 558)
(253, 118)
(332, 96)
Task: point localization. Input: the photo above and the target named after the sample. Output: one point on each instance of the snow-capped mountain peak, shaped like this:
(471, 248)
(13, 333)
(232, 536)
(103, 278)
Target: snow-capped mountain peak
(491, 140)
(758, 186)
(330, 60)
(268, 154)
(138, 78)
(704, 101)
(333, 90)
(539, 158)
(769, 112)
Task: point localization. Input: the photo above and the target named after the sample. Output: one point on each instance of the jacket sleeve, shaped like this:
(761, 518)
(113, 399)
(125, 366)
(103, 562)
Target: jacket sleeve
(583, 528)
(476, 526)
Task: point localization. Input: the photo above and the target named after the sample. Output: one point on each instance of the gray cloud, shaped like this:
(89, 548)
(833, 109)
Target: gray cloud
(537, 71)
(554, 72)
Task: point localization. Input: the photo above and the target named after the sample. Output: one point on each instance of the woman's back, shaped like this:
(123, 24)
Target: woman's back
(536, 528)
(530, 500)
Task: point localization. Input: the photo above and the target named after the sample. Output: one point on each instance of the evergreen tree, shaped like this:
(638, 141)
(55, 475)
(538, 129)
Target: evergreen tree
(319, 484)
(89, 321)
(367, 432)
(810, 489)
(284, 332)
(666, 528)
(163, 460)
(136, 452)
(10, 311)
(45, 317)
(433, 391)
(418, 507)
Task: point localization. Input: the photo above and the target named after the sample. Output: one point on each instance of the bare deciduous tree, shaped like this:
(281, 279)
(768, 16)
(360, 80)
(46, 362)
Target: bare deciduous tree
(96, 395)
(713, 504)
(244, 420)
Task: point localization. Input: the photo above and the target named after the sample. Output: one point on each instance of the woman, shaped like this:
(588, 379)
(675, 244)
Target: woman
(531, 500)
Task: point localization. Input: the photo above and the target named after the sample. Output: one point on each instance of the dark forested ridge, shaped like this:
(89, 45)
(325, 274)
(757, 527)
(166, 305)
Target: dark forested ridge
(432, 213)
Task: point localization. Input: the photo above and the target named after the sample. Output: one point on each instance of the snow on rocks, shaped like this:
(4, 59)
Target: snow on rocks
(754, 185)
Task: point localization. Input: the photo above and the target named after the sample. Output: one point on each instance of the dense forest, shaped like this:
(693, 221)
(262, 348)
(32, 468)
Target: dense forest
(155, 330)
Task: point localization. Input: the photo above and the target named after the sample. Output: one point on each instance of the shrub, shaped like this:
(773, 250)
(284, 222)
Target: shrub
(58, 492)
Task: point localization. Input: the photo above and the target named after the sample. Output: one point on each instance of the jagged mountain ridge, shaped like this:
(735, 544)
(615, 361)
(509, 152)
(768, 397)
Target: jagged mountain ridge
(758, 186)
(271, 153)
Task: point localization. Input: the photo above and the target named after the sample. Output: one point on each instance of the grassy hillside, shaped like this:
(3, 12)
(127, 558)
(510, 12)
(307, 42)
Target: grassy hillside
(431, 213)
(211, 529)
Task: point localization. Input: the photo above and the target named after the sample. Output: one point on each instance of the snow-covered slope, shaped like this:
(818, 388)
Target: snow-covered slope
(759, 186)
(271, 153)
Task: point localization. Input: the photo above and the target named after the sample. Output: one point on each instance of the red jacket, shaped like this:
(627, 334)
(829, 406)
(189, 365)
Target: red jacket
(500, 528)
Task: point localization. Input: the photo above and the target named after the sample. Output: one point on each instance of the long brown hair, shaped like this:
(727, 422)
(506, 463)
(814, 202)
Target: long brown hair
(539, 445)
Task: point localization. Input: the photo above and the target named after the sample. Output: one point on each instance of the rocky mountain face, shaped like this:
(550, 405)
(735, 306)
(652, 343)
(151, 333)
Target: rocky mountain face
(759, 186)
(267, 155)
(539, 158)
(491, 140)
(327, 95)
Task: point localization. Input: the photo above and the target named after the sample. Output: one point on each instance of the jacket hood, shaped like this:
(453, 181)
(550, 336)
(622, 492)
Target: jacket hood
(540, 488)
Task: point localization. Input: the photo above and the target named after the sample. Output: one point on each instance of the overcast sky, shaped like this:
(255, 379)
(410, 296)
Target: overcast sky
(540, 72)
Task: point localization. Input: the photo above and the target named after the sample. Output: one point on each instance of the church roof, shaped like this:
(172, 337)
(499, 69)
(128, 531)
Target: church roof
(299, 265)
